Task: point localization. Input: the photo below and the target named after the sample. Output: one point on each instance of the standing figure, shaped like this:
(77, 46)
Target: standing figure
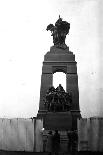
(56, 142)
(72, 141)
(49, 144)
(69, 135)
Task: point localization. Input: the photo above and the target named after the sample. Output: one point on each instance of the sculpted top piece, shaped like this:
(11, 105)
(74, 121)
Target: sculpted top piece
(59, 32)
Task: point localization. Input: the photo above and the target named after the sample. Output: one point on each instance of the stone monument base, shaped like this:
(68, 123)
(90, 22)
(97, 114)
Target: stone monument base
(61, 121)
(58, 121)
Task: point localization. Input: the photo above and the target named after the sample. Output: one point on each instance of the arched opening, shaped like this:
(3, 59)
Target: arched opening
(59, 78)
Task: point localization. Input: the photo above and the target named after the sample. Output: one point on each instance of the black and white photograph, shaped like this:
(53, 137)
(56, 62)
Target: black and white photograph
(51, 77)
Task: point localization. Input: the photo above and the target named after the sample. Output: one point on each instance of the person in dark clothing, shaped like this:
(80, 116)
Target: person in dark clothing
(49, 144)
(56, 142)
(69, 134)
(73, 140)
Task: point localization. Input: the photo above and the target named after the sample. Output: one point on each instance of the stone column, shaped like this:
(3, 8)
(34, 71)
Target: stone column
(46, 82)
(72, 85)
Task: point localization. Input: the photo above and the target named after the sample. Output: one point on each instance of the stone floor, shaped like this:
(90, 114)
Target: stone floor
(39, 153)
(19, 153)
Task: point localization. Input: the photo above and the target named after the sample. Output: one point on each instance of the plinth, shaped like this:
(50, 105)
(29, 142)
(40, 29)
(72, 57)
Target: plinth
(60, 60)
(61, 121)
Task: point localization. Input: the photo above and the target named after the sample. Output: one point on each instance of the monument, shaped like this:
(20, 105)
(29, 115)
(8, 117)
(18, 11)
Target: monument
(59, 108)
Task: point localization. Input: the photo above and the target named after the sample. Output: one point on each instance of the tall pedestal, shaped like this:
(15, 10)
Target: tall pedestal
(60, 60)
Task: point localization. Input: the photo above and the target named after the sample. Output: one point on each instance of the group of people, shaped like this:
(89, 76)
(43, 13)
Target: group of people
(53, 143)
(57, 100)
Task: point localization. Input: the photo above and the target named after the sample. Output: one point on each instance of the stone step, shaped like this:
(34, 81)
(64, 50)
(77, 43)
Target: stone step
(21, 153)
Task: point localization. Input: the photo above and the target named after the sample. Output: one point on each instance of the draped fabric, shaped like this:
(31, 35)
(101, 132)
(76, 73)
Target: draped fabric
(90, 134)
(20, 134)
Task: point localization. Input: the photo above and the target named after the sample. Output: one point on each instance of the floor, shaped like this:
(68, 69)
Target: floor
(37, 153)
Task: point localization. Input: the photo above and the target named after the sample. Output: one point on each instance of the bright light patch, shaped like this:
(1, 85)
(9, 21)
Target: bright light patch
(59, 78)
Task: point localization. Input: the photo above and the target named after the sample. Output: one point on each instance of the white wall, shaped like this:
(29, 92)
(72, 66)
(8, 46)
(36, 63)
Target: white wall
(21, 134)
(90, 134)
